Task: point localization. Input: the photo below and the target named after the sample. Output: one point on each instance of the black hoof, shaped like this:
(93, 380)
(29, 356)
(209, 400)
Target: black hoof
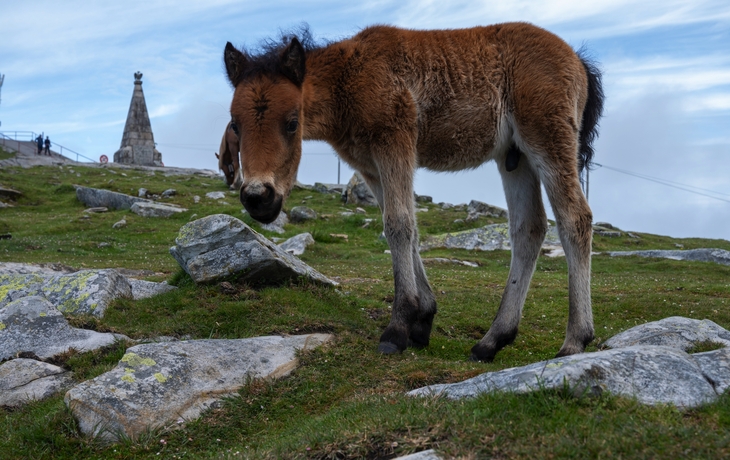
(482, 354)
(388, 348)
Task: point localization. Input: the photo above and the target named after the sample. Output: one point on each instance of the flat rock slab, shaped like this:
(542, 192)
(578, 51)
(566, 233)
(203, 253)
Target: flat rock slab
(152, 209)
(158, 385)
(718, 256)
(220, 246)
(94, 198)
(651, 374)
(478, 208)
(675, 332)
(487, 238)
(83, 292)
(24, 380)
(33, 324)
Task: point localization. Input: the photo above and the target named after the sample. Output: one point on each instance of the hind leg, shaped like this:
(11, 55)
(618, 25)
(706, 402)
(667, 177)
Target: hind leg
(415, 304)
(527, 228)
(574, 220)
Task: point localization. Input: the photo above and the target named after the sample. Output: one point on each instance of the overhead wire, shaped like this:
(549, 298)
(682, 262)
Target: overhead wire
(669, 183)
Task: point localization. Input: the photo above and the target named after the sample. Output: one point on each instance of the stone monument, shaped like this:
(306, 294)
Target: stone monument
(138, 143)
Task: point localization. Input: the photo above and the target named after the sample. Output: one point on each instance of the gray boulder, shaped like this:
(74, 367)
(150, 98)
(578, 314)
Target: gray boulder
(168, 193)
(297, 244)
(477, 209)
(299, 214)
(651, 374)
(24, 380)
(487, 238)
(152, 209)
(33, 324)
(715, 366)
(219, 246)
(358, 192)
(160, 385)
(675, 332)
(718, 256)
(94, 197)
(83, 292)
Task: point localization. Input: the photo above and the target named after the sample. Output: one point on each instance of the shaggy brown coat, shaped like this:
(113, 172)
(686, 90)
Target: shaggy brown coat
(390, 100)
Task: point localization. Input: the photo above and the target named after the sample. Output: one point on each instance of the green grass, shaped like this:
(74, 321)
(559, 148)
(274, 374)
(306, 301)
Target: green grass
(346, 400)
(4, 154)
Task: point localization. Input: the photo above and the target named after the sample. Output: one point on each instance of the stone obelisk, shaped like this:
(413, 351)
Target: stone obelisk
(138, 143)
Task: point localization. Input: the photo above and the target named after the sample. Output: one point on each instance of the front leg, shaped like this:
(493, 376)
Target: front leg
(410, 320)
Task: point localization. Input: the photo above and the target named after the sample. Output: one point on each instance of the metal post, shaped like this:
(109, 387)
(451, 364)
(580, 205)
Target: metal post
(338, 171)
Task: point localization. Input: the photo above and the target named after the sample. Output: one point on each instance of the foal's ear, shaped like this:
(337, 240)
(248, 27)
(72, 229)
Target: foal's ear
(292, 62)
(235, 63)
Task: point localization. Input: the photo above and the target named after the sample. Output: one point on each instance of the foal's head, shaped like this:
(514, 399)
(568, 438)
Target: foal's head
(266, 112)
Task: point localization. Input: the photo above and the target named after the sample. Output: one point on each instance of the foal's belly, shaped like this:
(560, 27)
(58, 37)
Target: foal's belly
(461, 136)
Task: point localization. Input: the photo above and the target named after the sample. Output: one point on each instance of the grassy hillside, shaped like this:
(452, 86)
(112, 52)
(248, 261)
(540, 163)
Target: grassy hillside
(346, 400)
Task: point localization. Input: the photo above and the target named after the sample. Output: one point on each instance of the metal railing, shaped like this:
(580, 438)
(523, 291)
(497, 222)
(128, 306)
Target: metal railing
(31, 136)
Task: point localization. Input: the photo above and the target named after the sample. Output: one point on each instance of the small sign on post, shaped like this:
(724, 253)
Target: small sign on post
(103, 159)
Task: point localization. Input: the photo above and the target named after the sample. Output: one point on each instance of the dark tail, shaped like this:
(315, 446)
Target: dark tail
(592, 112)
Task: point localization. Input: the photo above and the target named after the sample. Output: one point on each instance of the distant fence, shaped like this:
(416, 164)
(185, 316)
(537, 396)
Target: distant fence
(13, 139)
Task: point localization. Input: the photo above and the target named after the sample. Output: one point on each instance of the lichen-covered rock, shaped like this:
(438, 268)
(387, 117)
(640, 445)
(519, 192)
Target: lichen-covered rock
(718, 256)
(219, 246)
(33, 324)
(675, 332)
(651, 374)
(152, 209)
(94, 197)
(358, 192)
(159, 385)
(301, 214)
(487, 238)
(24, 380)
(83, 292)
(297, 244)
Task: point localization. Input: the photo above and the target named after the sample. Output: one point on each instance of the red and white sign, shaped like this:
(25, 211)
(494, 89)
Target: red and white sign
(103, 159)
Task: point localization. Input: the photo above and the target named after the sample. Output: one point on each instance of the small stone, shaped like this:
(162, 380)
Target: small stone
(121, 224)
(169, 193)
(359, 210)
(196, 199)
(103, 245)
(155, 209)
(297, 244)
(215, 195)
(300, 214)
(142, 193)
(97, 209)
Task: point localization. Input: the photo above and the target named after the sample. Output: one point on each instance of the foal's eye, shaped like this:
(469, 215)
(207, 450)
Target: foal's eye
(291, 126)
(234, 127)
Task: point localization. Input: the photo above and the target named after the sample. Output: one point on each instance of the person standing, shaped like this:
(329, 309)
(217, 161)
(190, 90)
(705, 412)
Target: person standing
(48, 146)
(39, 143)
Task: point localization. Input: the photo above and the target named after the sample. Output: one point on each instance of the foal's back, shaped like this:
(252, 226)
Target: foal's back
(471, 89)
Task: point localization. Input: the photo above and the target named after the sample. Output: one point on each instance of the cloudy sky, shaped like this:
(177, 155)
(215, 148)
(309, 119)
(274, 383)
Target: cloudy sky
(664, 142)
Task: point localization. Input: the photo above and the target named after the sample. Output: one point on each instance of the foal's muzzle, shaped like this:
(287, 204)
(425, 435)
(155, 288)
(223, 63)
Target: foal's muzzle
(261, 202)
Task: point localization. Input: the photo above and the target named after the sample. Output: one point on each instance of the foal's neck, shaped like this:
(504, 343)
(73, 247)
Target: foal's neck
(324, 69)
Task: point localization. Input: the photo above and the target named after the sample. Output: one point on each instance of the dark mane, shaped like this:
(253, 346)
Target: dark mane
(265, 58)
